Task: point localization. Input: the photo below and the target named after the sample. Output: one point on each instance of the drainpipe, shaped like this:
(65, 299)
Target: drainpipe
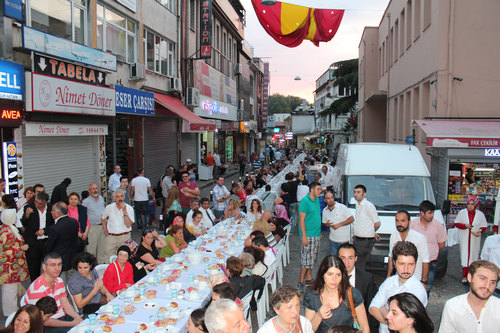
(388, 76)
(451, 32)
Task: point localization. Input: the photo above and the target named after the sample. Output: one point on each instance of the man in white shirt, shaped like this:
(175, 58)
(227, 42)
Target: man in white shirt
(209, 219)
(326, 178)
(302, 190)
(193, 204)
(367, 223)
(217, 165)
(166, 183)
(476, 311)
(117, 220)
(220, 195)
(140, 186)
(338, 218)
(404, 255)
(114, 179)
(404, 233)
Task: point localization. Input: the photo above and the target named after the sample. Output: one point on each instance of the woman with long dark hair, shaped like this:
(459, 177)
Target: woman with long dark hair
(28, 319)
(328, 302)
(408, 315)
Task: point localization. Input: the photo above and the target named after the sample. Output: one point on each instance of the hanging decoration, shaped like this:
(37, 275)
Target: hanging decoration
(290, 24)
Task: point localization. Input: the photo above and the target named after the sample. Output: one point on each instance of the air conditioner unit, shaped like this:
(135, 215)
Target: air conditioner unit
(237, 69)
(193, 97)
(174, 84)
(137, 71)
(241, 104)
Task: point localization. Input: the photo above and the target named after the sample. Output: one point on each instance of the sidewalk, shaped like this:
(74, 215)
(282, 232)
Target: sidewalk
(230, 172)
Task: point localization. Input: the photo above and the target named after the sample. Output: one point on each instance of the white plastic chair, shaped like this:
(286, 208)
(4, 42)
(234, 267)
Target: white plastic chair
(70, 296)
(246, 303)
(113, 258)
(270, 277)
(100, 269)
(22, 301)
(286, 250)
(262, 308)
(9, 318)
(279, 264)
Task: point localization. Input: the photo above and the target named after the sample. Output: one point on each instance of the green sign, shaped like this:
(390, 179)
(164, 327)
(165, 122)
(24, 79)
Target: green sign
(229, 148)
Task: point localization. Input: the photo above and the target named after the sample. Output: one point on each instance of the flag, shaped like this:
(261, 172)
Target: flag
(290, 24)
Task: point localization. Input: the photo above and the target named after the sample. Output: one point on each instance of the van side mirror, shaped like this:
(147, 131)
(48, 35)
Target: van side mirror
(446, 207)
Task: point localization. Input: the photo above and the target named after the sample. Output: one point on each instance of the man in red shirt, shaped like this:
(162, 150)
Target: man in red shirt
(209, 159)
(187, 190)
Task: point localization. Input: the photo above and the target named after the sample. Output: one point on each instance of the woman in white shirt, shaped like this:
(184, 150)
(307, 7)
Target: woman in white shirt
(255, 211)
(286, 303)
(195, 226)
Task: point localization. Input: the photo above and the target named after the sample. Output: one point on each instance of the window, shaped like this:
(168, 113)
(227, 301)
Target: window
(116, 34)
(192, 14)
(380, 62)
(416, 20)
(169, 4)
(159, 54)
(402, 33)
(408, 24)
(396, 40)
(63, 18)
(427, 13)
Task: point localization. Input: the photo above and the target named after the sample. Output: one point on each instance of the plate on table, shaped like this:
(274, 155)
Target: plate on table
(205, 236)
(193, 296)
(103, 330)
(106, 309)
(150, 305)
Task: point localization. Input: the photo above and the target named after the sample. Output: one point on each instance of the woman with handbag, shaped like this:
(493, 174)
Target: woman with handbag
(286, 303)
(332, 301)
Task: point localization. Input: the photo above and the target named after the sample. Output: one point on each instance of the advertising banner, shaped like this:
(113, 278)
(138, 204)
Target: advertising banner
(55, 129)
(10, 173)
(133, 101)
(206, 28)
(11, 80)
(50, 94)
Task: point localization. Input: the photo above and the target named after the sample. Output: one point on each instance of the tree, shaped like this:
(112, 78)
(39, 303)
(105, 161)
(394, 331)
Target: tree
(346, 76)
(282, 104)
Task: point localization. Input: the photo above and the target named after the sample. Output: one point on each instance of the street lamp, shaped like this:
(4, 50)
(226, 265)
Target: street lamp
(268, 2)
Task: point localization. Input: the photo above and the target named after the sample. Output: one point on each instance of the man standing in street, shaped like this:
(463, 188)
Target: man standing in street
(140, 188)
(404, 256)
(242, 160)
(124, 186)
(187, 190)
(359, 279)
(210, 161)
(114, 180)
(476, 311)
(435, 234)
(217, 165)
(292, 192)
(167, 183)
(36, 222)
(95, 207)
(310, 233)
(327, 178)
(404, 233)
(338, 218)
(59, 193)
(63, 237)
(220, 195)
(367, 223)
(117, 220)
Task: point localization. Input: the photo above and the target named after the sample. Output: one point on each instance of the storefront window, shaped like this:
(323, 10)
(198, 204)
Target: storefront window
(63, 18)
(160, 54)
(169, 4)
(116, 34)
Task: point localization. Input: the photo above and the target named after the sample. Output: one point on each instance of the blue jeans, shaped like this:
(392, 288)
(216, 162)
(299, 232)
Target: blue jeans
(334, 247)
(432, 276)
(141, 208)
(64, 329)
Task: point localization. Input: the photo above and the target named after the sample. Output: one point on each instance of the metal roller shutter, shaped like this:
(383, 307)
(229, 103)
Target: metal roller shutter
(48, 160)
(188, 147)
(160, 147)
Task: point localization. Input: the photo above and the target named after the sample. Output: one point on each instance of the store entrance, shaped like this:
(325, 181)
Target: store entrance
(479, 179)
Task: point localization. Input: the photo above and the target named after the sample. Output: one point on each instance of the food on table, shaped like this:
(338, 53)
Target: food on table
(174, 304)
(191, 289)
(164, 281)
(104, 317)
(120, 320)
(143, 326)
(171, 321)
(160, 323)
(206, 259)
(141, 284)
(107, 329)
(162, 309)
(129, 309)
(185, 268)
(151, 294)
(109, 321)
(137, 298)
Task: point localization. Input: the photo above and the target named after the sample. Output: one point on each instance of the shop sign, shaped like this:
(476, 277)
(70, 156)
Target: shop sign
(13, 9)
(205, 28)
(289, 135)
(216, 109)
(270, 121)
(133, 101)
(10, 114)
(130, 4)
(11, 80)
(66, 70)
(492, 152)
(50, 94)
(45, 43)
(10, 173)
(463, 142)
(57, 129)
(229, 126)
(214, 85)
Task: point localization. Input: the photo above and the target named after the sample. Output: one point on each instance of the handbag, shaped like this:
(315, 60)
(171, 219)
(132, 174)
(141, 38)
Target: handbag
(353, 310)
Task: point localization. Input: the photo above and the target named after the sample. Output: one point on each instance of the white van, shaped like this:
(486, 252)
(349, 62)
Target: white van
(396, 178)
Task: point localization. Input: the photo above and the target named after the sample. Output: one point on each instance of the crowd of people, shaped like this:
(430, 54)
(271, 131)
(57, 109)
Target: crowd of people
(58, 241)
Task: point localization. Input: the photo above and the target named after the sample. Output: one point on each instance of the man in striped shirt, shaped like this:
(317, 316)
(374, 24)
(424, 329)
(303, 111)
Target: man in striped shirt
(50, 284)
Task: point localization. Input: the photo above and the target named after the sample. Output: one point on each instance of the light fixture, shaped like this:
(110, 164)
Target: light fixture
(268, 2)
(459, 79)
(298, 78)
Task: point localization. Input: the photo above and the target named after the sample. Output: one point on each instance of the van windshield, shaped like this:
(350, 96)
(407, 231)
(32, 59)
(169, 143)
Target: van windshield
(391, 192)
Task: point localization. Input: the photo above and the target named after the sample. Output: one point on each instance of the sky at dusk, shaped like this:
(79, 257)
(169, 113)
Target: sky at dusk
(306, 60)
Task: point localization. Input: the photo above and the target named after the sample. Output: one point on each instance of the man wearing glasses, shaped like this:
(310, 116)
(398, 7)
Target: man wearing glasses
(50, 284)
(187, 190)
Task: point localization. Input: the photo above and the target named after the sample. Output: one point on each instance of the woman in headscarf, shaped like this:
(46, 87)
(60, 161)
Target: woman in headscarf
(13, 267)
(471, 223)
(281, 213)
(140, 270)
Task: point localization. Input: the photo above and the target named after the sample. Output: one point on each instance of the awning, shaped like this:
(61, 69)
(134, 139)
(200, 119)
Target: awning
(311, 136)
(175, 105)
(448, 133)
